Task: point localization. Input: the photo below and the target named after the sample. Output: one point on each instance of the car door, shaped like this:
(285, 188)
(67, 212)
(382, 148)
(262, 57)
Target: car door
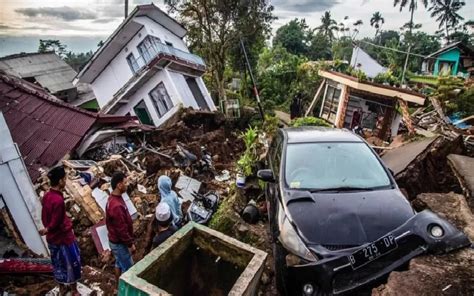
(273, 188)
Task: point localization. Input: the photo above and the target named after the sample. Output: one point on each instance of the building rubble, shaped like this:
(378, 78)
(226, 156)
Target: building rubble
(143, 158)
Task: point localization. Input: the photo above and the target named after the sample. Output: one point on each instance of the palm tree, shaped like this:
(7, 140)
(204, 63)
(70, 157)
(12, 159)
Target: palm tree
(377, 21)
(328, 25)
(446, 13)
(412, 7)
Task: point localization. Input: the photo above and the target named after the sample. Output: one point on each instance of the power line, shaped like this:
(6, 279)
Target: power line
(396, 50)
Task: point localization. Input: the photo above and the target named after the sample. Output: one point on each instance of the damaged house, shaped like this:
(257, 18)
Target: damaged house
(145, 69)
(53, 74)
(348, 102)
(38, 131)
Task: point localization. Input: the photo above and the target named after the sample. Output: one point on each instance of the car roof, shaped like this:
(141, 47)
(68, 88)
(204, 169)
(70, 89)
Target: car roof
(309, 134)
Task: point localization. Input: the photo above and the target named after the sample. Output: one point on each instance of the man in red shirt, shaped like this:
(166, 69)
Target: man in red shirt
(119, 225)
(62, 243)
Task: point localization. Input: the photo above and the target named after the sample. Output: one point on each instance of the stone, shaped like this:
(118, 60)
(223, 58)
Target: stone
(265, 279)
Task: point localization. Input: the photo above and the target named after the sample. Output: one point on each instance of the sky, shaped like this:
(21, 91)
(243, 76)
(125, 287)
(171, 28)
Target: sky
(81, 24)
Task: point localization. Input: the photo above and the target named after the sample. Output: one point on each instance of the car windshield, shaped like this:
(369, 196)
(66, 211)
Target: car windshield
(339, 165)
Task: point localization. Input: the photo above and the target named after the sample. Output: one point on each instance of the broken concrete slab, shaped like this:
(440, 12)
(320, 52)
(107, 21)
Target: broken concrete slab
(463, 168)
(422, 166)
(398, 159)
(448, 274)
(209, 262)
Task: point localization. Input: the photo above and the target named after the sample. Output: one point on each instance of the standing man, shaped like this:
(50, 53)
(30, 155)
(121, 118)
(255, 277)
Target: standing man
(62, 243)
(119, 225)
(171, 198)
(163, 226)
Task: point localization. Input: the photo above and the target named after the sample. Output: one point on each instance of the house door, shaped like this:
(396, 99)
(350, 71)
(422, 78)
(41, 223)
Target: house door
(197, 94)
(142, 113)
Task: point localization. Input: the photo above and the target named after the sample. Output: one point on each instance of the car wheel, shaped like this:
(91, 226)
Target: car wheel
(279, 254)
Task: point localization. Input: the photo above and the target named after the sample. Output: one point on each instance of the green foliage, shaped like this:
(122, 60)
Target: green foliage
(342, 49)
(359, 74)
(309, 121)
(270, 125)
(447, 90)
(293, 36)
(77, 61)
(386, 77)
(248, 159)
(464, 102)
(47, 45)
(215, 29)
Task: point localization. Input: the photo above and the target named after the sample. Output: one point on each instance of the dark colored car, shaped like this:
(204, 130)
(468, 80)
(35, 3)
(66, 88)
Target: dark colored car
(337, 217)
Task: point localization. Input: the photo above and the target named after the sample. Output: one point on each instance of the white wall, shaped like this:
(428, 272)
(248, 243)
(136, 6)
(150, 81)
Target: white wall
(118, 72)
(143, 94)
(182, 86)
(18, 193)
(206, 94)
(157, 30)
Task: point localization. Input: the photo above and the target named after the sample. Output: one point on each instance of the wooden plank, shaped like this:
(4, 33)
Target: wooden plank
(315, 99)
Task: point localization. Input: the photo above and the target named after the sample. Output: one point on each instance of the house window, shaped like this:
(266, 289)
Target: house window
(148, 48)
(331, 104)
(161, 99)
(169, 43)
(132, 63)
(142, 113)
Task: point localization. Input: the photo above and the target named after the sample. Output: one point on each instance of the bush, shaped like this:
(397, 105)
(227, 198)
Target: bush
(309, 121)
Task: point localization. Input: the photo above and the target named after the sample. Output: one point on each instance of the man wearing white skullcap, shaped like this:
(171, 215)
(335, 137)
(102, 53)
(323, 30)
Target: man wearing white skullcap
(163, 224)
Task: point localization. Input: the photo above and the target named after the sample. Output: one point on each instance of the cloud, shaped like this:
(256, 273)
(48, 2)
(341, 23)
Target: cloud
(304, 6)
(5, 27)
(65, 13)
(105, 20)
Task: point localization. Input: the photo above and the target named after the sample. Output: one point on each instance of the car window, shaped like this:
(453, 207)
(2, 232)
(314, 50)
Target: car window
(333, 165)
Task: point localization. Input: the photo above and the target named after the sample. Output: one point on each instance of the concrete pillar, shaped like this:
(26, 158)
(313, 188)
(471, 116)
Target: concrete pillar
(342, 107)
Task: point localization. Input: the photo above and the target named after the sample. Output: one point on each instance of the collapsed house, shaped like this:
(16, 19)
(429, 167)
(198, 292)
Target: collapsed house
(145, 69)
(53, 74)
(348, 102)
(38, 131)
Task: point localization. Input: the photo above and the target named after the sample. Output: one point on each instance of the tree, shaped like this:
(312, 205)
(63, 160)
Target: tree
(77, 61)
(328, 25)
(356, 25)
(377, 21)
(48, 45)
(412, 6)
(446, 13)
(215, 27)
(320, 47)
(293, 36)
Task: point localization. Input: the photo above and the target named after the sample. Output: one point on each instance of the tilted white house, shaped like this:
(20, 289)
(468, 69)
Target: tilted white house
(145, 69)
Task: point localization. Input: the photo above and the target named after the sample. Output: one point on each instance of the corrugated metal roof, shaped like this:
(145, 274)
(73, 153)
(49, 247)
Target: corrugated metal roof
(48, 69)
(45, 128)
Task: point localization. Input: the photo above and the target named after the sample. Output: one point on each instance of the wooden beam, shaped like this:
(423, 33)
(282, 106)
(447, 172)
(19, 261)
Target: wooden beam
(315, 99)
(406, 117)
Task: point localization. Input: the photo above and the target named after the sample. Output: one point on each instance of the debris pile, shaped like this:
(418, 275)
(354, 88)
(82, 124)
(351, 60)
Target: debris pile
(201, 145)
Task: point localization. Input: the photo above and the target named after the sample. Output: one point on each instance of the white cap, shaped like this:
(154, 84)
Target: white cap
(162, 212)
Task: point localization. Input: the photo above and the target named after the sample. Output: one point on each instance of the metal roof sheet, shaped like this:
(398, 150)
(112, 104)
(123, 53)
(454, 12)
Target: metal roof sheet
(44, 128)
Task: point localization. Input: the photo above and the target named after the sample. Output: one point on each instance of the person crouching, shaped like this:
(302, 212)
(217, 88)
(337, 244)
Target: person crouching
(163, 225)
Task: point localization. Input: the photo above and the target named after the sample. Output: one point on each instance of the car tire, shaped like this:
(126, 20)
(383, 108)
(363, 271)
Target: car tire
(279, 254)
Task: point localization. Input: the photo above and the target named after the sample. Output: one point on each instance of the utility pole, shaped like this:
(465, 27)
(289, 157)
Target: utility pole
(126, 8)
(255, 90)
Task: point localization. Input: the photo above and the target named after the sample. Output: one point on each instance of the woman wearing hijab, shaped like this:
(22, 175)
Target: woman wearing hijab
(171, 198)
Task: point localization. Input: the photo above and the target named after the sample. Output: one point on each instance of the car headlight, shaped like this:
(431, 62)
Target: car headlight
(291, 240)
(436, 230)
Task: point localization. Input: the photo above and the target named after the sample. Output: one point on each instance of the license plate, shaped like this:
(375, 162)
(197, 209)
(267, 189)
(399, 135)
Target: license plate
(373, 251)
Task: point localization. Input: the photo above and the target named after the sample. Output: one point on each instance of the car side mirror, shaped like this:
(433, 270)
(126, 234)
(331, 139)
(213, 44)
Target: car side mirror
(266, 175)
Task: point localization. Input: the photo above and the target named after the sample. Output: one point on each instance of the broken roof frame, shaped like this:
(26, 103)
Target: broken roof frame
(374, 88)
